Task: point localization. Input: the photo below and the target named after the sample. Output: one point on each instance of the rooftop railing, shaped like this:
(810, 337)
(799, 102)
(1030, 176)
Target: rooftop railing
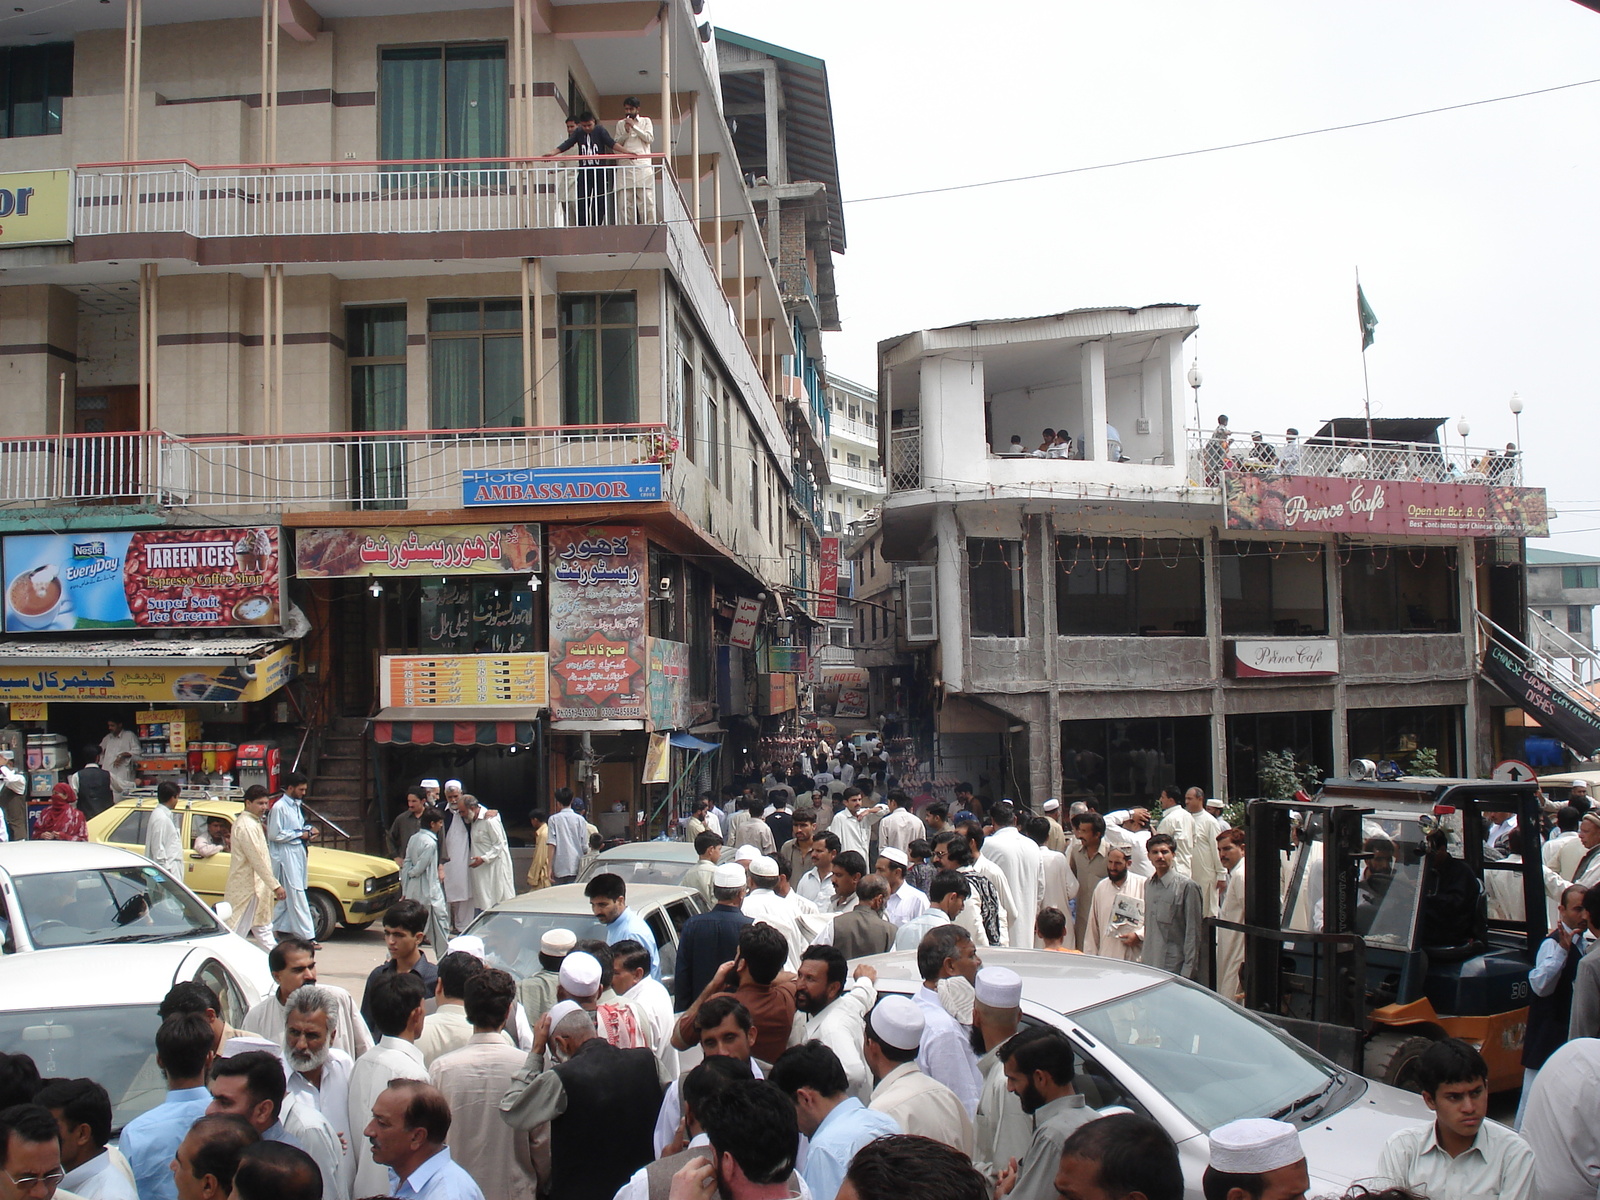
(1426, 462)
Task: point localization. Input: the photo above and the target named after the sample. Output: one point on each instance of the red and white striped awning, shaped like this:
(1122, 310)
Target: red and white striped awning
(446, 726)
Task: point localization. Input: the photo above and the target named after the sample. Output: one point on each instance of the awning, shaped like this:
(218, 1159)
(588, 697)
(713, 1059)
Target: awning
(219, 670)
(443, 725)
(687, 741)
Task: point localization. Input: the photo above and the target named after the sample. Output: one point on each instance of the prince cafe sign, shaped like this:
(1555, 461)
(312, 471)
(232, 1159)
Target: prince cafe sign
(1284, 658)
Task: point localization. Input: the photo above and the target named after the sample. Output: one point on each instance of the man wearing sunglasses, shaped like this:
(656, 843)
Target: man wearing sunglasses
(30, 1144)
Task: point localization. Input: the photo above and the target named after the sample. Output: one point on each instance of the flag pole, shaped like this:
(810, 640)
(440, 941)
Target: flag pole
(1366, 386)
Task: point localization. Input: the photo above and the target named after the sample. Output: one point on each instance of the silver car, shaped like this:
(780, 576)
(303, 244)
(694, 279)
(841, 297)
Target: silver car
(1181, 1055)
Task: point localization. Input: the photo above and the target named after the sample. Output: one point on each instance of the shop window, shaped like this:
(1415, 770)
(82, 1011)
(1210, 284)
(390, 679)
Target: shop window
(1307, 736)
(34, 83)
(375, 349)
(1580, 577)
(475, 355)
(1400, 735)
(1400, 589)
(1119, 763)
(994, 583)
(1272, 588)
(599, 359)
(1130, 587)
(442, 102)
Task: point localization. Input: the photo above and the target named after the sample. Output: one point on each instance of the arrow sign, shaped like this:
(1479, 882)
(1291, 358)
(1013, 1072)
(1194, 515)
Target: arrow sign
(1513, 771)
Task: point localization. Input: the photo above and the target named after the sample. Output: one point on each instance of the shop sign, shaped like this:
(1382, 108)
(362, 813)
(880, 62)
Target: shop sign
(1556, 711)
(657, 760)
(745, 620)
(781, 694)
(464, 680)
(1313, 504)
(402, 550)
(669, 684)
(1288, 657)
(27, 710)
(561, 485)
(461, 616)
(597, 623)
(35, 208)
(154, 683)
(828, 579)
(841, 691)
(787, 658)
(145, 579)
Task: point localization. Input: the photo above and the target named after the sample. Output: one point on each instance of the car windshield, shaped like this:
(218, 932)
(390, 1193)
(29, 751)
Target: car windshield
(114, 1046)
(122, 904)
(511, 939)
(1211, 1061)
(639, 870)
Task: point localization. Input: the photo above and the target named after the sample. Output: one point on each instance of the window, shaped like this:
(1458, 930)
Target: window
(852, 460)
(755, 494)
(1400, 589)
(713, 451)
(1396, 734)
(1130, 587)
(599, 359)
(688, 400)
(994, 581)
(1580, 577)
(922, 624)
(1574, 618)
(1307, 735)
(1272, 588)
(727, 442)
(34, 80)
(375, 341)
(442, 102)
(1126, 761)
(475, 349)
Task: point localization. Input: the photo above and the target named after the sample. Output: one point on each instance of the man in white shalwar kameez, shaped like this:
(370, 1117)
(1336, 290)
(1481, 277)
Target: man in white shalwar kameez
(457, 851)
(1230, 945)
(1017, 855)
(489, 861)
(635, 134)
(1112, 931)
(1205, 868)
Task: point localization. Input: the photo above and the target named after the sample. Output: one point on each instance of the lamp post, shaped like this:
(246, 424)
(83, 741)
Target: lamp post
(1463, 429)
(1516, 415)
(1194, 382)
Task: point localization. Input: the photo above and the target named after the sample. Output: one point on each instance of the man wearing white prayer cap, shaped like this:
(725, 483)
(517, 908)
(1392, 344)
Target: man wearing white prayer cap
(580, 976)
(1003, 1130)
(1256, 1159)
(1058, 836)
(536, 993)
(905, 902)
(923, 1106)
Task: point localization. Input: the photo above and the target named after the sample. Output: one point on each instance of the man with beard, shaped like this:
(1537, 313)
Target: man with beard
(1039, 1067)
(252, 1086)
(754, 1138)
(836, 1016)
(1003, 1130)
(319, 1074)
(836, 1123)
(1115, 925)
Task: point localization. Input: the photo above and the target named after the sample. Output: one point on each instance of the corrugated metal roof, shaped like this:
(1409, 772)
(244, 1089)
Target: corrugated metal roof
(1556, 558)
(114, 651)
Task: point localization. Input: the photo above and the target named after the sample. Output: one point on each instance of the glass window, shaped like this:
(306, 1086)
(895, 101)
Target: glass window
(1580, 577)
(127, 904)
(1272, 588)
(1308, 736)
(375, 348)
(1118, 763)
(475, 364)
(34, 80)
(130, 831)
(599, 359)
(511, 939)
(994, 583)
(1574, 618)
(114, 1045)
(1399, 734)
(688, 406)
(1399, 589)
(1130, 587)
(442, 102)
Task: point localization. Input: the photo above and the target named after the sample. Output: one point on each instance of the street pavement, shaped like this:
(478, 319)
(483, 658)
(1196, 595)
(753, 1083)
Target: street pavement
(348, 956)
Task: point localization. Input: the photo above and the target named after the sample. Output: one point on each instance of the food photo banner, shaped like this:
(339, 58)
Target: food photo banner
(1313, 504)
(401, 550)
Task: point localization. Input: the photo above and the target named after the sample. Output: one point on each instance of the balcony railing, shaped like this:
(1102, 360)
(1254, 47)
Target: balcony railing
(389, 470)
(462, 195)
(856, 430)
(864, 478)
(1427, 462)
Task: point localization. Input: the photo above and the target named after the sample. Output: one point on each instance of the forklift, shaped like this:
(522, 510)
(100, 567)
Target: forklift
(1376, 924)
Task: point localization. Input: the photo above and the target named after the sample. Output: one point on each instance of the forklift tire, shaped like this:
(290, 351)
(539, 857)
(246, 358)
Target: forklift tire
(1392, 1058)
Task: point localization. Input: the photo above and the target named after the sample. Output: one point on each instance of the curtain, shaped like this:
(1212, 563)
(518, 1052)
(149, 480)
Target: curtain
(410, 91)
(619, 383)
(456, 399)
(580, 398)
(502, 382)
(475, 101)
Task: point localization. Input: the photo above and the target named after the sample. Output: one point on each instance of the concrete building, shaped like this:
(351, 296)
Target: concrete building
(315, 266)
(1159, 606)
(857, 481)
(1563, 590)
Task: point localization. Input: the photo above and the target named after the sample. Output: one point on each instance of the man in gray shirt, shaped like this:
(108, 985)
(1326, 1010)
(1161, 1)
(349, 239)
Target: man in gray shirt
(1173, 908)
(569, 838)
(1039, 1066)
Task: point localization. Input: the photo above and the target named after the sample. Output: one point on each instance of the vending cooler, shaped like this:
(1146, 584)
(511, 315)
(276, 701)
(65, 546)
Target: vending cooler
(258, 762)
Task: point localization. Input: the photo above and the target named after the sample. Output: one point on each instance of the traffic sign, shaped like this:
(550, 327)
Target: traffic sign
(1513, 771)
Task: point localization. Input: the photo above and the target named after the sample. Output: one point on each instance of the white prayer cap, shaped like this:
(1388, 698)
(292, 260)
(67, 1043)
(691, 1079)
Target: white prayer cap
(764, 866)
(999, 987)
(729, 875)
(557, 943)
(895, 855)
(745, 853)
(1254, 1146)
(469, 943)
(1213, 802)
(244, 1043)
(580, 975)
(897, 1021)
(452, 785)
(7, 752)
(1052, 805)
(560, 1012)
(431, 783)
(1576, 783)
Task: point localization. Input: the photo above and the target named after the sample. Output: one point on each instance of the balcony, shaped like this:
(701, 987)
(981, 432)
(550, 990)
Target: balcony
(856, 431)
(1422, 462)
(861, 478)
(402, 469)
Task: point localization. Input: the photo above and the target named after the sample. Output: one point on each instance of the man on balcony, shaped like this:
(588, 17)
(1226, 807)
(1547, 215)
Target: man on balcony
(594, 191)
(635, 193)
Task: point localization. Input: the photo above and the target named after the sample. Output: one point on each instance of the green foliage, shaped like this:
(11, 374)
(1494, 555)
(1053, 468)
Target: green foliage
(1425, 762)
(1281, 776)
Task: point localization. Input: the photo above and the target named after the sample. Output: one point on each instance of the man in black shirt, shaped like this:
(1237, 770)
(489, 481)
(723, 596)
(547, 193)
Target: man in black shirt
(595, 172)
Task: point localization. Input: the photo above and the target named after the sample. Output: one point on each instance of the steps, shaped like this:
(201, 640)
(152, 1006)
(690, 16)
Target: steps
(336, 792)
(1543, 687)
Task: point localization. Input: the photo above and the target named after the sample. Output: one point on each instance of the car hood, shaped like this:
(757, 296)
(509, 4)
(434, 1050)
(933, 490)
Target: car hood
(1343, 1147)
(348, 862)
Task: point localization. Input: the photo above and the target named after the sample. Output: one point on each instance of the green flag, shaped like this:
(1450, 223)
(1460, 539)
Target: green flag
(1369, 319)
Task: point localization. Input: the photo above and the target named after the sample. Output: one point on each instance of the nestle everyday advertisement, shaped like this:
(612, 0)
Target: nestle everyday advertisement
(143, 579)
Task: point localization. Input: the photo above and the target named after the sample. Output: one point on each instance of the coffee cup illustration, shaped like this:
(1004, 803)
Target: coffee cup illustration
(35, 597)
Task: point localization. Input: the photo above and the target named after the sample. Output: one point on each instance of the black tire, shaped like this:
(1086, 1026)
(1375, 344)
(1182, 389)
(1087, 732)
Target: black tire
(1392, 1058)
(326, 915)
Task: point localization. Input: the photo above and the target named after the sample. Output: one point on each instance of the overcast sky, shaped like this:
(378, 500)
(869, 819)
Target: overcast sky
(1474, 231)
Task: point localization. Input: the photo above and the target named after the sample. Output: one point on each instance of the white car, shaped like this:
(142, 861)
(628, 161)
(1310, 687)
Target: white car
(90, 1011)
(59, 894)
(1181, 1055)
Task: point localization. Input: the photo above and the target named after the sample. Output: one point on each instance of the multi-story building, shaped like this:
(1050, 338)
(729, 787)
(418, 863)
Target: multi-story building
(1156, 606)
(316, 268)
(855, 471)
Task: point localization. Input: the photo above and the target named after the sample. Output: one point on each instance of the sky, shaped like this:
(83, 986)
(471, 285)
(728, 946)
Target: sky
(1474, 231)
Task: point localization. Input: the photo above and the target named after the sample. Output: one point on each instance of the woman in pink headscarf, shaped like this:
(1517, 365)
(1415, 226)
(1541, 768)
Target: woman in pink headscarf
(62, 821)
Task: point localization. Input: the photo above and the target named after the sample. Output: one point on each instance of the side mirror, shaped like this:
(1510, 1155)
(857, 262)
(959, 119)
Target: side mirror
(224, 910)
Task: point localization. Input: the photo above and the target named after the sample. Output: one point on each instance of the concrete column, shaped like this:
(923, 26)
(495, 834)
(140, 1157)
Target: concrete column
(951, 402)
(1219, 720)
(1341, 723)
(1170, 418)
(950, 596)
(1045, 557)
(770, 99)
(1093, 365)
(1474, 750)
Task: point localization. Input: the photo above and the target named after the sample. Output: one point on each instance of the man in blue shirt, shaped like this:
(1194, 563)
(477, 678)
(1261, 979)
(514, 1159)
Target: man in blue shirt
(709, 939)
(287, 836)
(836, 1123)
(410, 1122)
(183, 1052)
(608, 897)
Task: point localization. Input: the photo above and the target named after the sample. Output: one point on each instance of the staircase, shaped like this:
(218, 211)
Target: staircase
(1542, 686)
(336, 789)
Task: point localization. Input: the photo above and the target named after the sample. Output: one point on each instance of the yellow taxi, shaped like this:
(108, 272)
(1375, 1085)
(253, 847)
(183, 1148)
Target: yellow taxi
(344, 888)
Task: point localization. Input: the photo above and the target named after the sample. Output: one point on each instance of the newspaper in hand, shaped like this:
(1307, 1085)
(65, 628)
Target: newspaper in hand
(1127, 916)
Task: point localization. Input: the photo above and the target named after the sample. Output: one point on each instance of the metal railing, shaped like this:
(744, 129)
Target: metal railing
(905, 459)
(347, 198)
(1552, 670)
(1552, 641)
(398, 469)
(859, 430)
(1427, 462)
(861, 477)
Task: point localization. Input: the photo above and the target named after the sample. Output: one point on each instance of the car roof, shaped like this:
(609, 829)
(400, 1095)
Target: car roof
(46, 858)
(75, 976)
(1065, 983)
(650, 852)
(569, 898)
(1590, 777)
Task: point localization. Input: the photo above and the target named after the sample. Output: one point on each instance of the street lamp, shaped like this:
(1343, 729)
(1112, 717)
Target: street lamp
(1194, 382)
(1516, 413)
(1463, 429)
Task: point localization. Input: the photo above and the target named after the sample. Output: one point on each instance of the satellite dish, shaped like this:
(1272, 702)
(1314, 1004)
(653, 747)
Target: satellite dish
(1363, 768)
